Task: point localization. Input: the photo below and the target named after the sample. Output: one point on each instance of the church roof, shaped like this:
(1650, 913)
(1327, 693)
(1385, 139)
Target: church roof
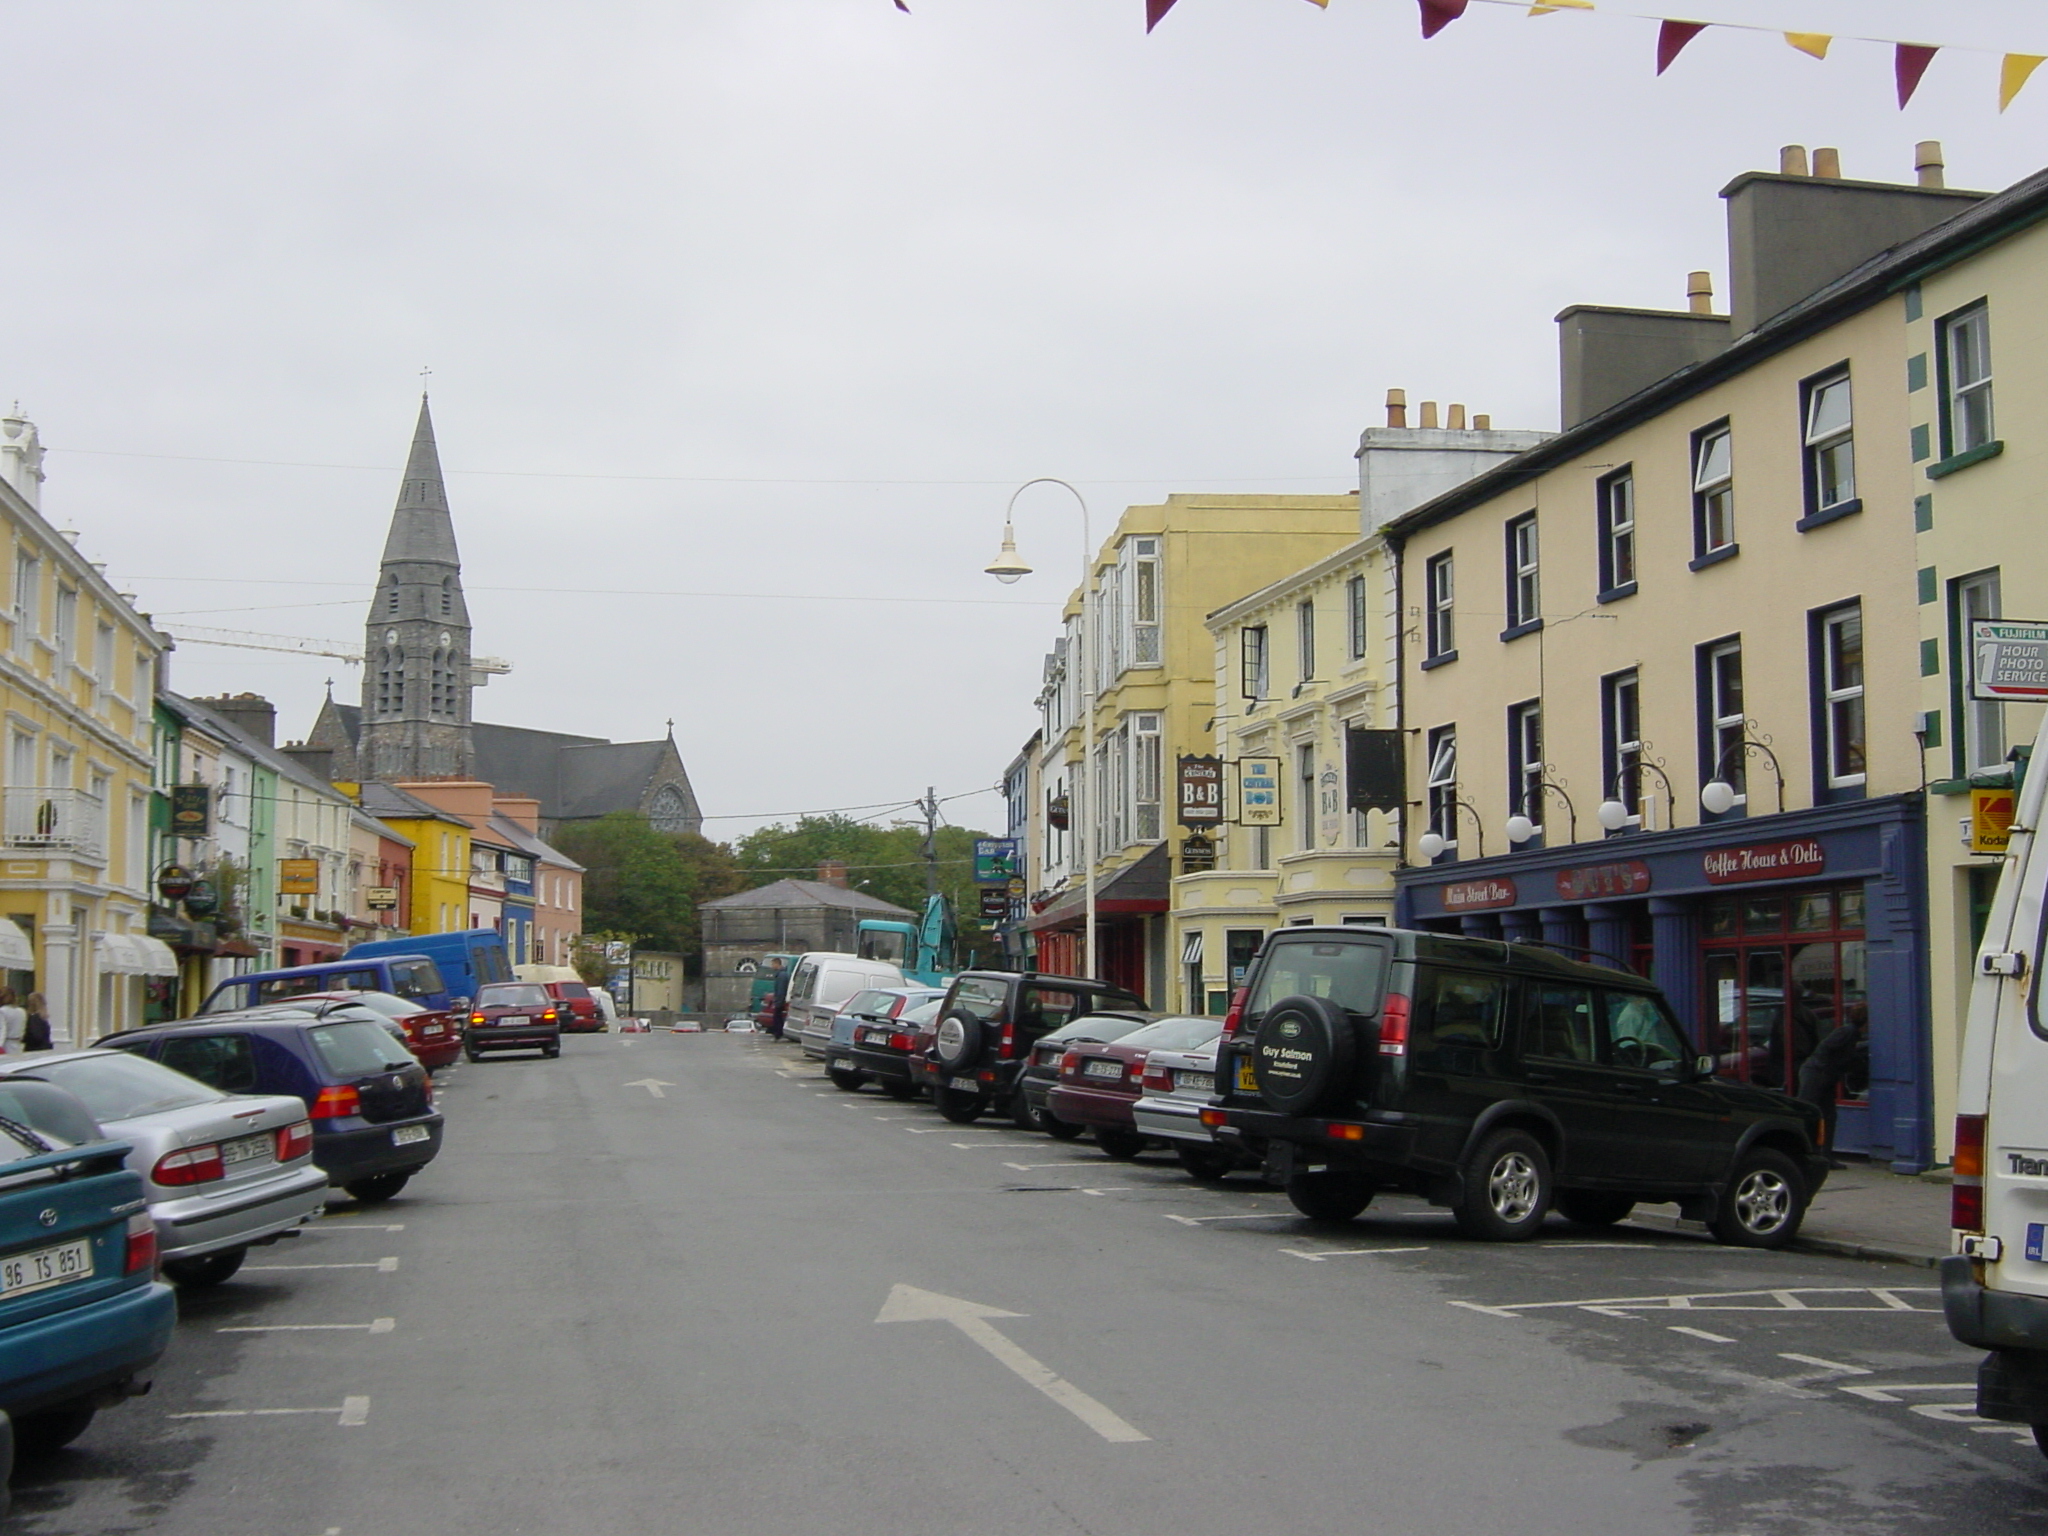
(421, 526)
(811, 893)
(608, 776)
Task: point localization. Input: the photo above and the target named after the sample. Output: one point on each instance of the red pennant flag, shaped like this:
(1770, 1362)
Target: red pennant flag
(1672, 36)
(1909, 64)
(902, 7)
(1155, 12)
(1438, 14)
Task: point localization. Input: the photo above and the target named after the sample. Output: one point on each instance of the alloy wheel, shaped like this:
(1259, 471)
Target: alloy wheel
(1512, 1186)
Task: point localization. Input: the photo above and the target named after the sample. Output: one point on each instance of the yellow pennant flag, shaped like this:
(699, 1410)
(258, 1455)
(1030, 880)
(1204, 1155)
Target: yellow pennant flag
(1545, 7)
(1815, 43)
(2012, 75)
(1325, 4)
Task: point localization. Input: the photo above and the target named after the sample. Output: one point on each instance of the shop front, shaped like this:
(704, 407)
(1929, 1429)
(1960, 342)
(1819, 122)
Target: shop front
(1130, 910)
(1766, 933)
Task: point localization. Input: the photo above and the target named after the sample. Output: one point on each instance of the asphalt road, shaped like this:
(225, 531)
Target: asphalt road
(751, 1305)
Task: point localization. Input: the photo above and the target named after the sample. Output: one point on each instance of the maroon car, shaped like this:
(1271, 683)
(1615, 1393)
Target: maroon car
(1099, 1081)
(431, 1034)
(513, 1016)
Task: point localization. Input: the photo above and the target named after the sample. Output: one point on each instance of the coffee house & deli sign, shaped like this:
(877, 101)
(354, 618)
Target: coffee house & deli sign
(1800, 859)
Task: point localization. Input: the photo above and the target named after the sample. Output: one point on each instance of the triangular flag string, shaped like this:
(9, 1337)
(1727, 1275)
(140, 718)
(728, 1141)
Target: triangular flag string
(1815, 43)
(1909, 63)
(1438, 14)
(1672, 36)
(2012, 75)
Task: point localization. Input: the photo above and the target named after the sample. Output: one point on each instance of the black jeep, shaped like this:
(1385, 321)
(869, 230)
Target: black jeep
(987, 1026)
(1500, 1080)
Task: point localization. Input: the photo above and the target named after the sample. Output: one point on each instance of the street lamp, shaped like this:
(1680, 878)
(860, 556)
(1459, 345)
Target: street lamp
(1718, 794)
(1614, 811)
(1432, 843)
(1008, 567)
(1522, 826)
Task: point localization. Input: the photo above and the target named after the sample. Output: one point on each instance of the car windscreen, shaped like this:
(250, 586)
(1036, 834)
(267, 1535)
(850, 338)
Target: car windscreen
(48, 1113)
(416, 978)
(923, 1013)
(870, 1004)
(1099, 1027)
(1348, 972)
(391, 1007)
(122, 1087)
(358, 1050)
(1178, 1034)
(517, 995)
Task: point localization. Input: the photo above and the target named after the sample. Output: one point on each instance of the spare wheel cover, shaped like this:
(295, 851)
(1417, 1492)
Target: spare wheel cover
(959, 1038)
(1303, 1053)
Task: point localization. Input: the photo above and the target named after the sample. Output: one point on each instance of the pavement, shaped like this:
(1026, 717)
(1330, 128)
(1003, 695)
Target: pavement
(1865, 1211)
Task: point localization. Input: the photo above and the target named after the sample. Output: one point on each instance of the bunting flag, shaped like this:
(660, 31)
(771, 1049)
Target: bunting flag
(1909, 64)
(1545, 7)
(1672, 36)
(2012, 75)
(1438, 14)
(1815, 43)
(1155, 12)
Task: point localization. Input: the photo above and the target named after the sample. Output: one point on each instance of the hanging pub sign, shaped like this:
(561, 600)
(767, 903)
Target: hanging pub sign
(298, 877)
(995, 903)
(995, 860)
(173, 881)
(2009, 660)
(1258, 791)
(191, 810)
(1058, 815)
(1799, 859)
(1201, 791)
(381, 898)
(1375, 777)
(1197, 853)
(202, 900)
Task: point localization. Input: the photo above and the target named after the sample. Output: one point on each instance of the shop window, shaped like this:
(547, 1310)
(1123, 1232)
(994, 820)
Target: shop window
(1780, 971)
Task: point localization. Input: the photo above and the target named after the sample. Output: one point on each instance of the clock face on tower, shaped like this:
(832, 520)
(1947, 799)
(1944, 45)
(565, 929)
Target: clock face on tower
(445, 637)
(391, 637)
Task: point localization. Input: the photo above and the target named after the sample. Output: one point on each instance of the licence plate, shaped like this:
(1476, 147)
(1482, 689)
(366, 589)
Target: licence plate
(246, 1149)
(1201, 1082)
(432, 1029)
(1246, 1083)
(964, 1085)
(2037, 1232)
(407, 1134)
(46, 1267)
(1103, 1069)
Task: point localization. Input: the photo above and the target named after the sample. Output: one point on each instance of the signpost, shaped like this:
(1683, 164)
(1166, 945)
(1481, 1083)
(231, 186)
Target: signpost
(1258, 791)
(2009, 660)
(381, 898)
(995, 860)
(1197, 853)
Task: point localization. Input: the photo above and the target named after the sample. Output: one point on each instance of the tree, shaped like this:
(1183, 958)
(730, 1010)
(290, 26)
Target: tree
(636, 881)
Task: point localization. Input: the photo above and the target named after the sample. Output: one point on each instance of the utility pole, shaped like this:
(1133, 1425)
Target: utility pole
(930, 806)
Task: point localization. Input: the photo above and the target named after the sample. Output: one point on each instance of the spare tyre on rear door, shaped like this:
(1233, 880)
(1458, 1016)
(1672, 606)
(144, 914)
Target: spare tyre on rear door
(1304, 1053)
(958, 1041)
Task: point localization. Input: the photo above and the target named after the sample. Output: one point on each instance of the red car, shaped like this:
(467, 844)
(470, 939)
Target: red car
(431, 1034)
(579, 1010)
(1099, 1081)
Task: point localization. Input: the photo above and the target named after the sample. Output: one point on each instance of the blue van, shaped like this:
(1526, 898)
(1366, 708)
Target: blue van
(468, 960)
(411, 976)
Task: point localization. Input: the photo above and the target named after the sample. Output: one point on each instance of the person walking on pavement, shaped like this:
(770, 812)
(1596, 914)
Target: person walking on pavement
(1821, 1074)
(778, 998)
(35, 1034)
(13, 1021)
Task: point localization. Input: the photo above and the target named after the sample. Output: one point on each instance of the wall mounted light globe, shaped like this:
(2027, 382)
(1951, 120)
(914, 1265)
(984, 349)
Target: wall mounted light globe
(1520, 829)
(1613, 815)
(1718, 796)
(1431, 845)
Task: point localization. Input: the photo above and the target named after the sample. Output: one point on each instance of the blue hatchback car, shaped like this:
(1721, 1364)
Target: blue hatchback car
(83, 1315)
(372, 1106)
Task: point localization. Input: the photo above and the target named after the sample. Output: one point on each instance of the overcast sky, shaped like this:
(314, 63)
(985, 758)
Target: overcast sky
(745, 316)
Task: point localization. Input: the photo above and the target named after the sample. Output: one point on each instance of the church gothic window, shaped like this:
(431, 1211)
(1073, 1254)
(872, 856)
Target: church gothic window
(669, 813)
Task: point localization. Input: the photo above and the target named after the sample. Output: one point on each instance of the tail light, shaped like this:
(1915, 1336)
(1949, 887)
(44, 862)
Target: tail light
(549, 1017)
(1138, 1066)
(1342, 1130)
(1214, 1119)
(1008, 1042)
(902, 1042)
(1159, 1078)
(1069, 1061)
(190, 1165)
(1966, 1194)
(1394, 1025)
(333, 1103)
(1235, 1016)
(476, 1018)
(141, 1244)
(294, 1140)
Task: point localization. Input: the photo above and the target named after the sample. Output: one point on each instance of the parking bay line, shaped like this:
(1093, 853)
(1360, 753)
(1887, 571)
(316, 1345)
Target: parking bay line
(352, 1412)
(1345, 1253)
(378, 1325)
(335, 1224)
(1197, 1221)
(1701, 1333)
(384, 1266)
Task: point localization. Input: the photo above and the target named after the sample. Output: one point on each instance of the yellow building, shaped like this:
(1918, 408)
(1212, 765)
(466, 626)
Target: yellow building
(1156, 576)
(438, 900)
(77, 682)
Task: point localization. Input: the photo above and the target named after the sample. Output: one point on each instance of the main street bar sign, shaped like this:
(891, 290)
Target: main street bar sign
(298, 877)
(2009, 660)
(1800, 859)
(1478, 895)
(1201, 791)
(1258, 791)
(995, 860)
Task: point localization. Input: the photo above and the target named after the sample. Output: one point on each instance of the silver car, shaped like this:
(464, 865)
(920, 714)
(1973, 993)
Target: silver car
(223, 1171)
(1178, 1086)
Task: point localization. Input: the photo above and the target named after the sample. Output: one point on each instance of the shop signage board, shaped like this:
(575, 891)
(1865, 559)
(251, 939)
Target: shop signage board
(1197, 853)
(1478, 895)
(1800, 859)
(2009, 660)
(191, 810)
(298, 877)
(995, 860)
(381, 898)
(1990, 820)
(1595, 882)
(995, 903)
(1201, 791)
(1258, 791)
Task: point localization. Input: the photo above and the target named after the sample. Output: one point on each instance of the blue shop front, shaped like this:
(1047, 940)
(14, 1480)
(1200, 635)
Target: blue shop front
(1765, 933)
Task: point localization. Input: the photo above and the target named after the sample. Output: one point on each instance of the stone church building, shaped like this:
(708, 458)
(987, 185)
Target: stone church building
(415, 720)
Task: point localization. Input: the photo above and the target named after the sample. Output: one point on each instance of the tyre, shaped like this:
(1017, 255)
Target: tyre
(207, 1269)
(1507, 1189)
(960, 1108)
(1024, 1115)
(1329, 1196)
(1763, 1204)
(1206, 1163)
(959, 1039)
(898, 1090)
(472, 1055)
(1122, 1145)
(378, 1186)
(551, 1051)
(2041, 1438)
(53, 1428)
(1062, 1130)
(1303, 1054)
(844, 1080)
(1593, 1207)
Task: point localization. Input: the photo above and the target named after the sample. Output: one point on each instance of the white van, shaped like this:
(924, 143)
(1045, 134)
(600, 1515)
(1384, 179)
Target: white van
(820, 984)
(1994, 1288)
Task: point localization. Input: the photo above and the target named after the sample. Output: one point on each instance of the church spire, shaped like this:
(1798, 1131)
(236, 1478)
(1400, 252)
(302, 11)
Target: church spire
(421, 526)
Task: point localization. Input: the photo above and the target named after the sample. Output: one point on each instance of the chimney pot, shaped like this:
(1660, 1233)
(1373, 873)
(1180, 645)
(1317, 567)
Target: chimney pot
(1792, 161)
(832, 872)
(1482, 423)
(1827, 163)
(1397, 407)
(1428, 414)
(1456, 421)
(1699, 292)
(1928, 167)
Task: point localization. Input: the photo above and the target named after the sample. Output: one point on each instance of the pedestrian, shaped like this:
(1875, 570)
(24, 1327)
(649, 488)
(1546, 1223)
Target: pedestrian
(778, 997)
(1821, 1074)
(13, 1021)
(35, 1035)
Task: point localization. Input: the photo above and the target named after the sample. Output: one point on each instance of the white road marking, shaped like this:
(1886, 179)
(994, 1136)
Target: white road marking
(653, 1085)
(1890, 1394)
(353, 1411)
(1701, 1333)
(908, 1304)
(1072, 1162)
(379, 1325)
(1773, 1300)
(337, 1225)
(1120, 1189)
(384, 1266)
(1833, 1367)
(998, 1146)
(1197, 1221)
(1315, 1257)
(954, 1130)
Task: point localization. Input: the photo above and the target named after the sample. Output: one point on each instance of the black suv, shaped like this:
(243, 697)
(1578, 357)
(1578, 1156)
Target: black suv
(987, 1026)
(1499, 1080)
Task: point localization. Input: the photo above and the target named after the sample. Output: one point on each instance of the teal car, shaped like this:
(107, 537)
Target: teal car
(83, 1314)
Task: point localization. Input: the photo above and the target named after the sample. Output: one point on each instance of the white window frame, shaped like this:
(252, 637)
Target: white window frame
(1842, 700)
(1305, 780)
(1525, 601)
(64, 623)
(1984, 746)
(1148, 777)
(1617, 495)
(1355, 613)
(1143, 573)
(1525, 761)
(1830, 445)
(1441, 781)
(1967, 420)
(1726, 717)
(1255, 656)
(1713, 490)
(1621, 731)
(1439, 606)
(28, 595)
(1305, 637)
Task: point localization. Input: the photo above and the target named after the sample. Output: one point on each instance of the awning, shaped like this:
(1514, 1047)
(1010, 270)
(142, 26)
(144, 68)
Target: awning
(134, 954)
(1134, 890)
(16, 953)
(154, 955)
(1191, 949)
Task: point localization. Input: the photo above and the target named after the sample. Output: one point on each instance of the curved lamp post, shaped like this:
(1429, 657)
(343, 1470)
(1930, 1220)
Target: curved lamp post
(1614, 811)
(1008, 567)
(1432, 843)
(1522, 826)
(1717, 795)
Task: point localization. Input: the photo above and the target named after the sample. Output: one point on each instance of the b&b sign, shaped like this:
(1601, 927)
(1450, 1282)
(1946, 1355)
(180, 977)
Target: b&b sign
(1201, 791)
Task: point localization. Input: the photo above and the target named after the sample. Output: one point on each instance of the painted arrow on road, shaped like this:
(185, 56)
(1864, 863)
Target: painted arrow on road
(908, 1304)
(653, 1085)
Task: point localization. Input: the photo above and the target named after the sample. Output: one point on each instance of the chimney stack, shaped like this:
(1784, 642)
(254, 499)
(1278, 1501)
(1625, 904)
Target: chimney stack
(1397, 407)
(1428, 415)
(250, 713)
(1792, 161)
(1699, 293)
(1827, 164)
(1928, 168)
(1457, 418)
(832, 872)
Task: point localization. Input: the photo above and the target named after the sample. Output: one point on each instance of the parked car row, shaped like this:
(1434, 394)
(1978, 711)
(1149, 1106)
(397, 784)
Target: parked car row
(1502, 1081)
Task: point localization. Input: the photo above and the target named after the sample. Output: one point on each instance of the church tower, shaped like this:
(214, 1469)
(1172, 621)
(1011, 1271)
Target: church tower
(416, 668)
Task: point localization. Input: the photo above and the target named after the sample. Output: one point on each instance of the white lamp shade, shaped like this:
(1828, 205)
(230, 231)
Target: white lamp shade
(1520, 829)
(1007, 566)
(1613, 815)
(1431, 844)
(1718, 797)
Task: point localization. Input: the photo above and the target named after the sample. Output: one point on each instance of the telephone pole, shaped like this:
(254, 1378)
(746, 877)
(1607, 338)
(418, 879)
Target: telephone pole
(930, 806)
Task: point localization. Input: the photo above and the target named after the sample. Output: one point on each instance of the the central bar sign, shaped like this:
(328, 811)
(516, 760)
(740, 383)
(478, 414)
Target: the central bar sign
(1591, 882)
(1478, 895)
(1799, 859)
